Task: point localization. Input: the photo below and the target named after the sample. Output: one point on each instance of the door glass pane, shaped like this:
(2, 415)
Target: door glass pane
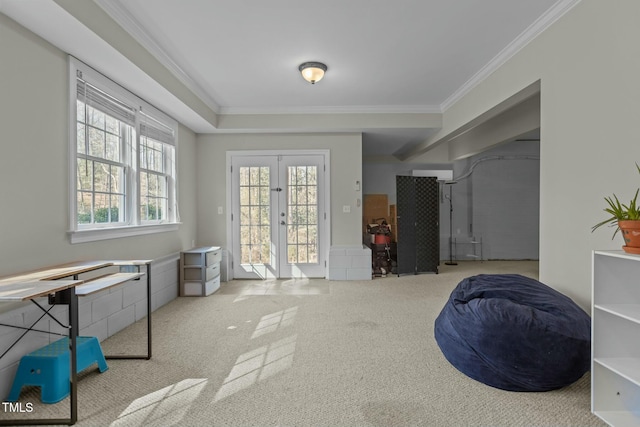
(255, 224)
(302, 206)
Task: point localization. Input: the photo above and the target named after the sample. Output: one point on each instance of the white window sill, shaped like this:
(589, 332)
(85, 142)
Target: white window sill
(95, 234)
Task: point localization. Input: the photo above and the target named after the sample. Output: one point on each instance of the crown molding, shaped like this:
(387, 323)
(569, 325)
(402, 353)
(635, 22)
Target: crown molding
(542, 23)
(122, 17)
(119, 14)
(353, 109)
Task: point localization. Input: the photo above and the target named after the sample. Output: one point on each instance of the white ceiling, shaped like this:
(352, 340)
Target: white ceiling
(402, 56)
(406, 54)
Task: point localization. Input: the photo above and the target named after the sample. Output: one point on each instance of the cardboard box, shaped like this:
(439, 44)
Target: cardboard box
(394, 232)
(375, 206)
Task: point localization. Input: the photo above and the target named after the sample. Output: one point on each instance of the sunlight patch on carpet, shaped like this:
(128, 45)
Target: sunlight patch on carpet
(169, 404)
(274, 321)
(258, 365)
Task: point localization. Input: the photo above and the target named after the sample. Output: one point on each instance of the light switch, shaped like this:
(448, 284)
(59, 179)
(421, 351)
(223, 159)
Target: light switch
(220, 210)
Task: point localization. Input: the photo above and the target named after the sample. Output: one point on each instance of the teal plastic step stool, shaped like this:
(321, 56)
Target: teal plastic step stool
(48, 367)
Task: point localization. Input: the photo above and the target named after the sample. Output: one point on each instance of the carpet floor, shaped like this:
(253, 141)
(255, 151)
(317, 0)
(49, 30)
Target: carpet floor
(308, 353)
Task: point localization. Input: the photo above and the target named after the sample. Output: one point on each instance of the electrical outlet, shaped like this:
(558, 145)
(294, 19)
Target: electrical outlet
(346, 209)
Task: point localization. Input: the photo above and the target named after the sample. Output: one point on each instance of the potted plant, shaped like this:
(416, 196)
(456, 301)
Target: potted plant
(626, 218)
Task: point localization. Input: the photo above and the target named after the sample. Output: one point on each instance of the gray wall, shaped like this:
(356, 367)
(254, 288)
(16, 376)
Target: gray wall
(34, 165)
(34, 192)
(498, 202)
(346, 169)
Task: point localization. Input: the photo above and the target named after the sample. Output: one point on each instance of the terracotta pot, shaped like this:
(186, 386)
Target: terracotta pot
(631, 235)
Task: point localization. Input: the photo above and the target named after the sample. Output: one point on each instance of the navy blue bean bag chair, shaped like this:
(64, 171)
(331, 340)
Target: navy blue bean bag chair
(514, 333)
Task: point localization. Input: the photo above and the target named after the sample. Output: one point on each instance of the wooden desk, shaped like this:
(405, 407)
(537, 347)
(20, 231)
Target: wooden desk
(105, 282)
(54, 273)
(47, 282)
(62, 290)
(24, 291)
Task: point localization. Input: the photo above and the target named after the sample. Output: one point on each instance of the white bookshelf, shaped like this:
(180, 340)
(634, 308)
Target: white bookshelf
(200, 271)
(615, 338)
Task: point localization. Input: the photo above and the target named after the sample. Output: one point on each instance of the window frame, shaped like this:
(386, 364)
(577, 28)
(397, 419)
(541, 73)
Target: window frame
(126, 134)
(132, 225)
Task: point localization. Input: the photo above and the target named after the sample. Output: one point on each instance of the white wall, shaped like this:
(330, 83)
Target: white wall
(588, 63)
(346, 169)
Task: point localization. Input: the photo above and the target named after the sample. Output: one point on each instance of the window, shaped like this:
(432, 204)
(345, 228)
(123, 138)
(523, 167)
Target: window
(156, 170)
(124, 161)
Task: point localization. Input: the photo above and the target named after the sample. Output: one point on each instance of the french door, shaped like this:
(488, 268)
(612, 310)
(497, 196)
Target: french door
(277, 216)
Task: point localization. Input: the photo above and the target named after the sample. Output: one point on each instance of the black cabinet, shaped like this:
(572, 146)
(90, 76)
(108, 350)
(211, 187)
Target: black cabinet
(418, 224)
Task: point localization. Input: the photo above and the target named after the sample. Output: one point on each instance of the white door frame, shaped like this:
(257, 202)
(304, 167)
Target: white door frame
(326, 230)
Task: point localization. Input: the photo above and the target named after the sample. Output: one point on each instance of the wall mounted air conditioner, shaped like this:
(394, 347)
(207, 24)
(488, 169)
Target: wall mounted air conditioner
(441, 175)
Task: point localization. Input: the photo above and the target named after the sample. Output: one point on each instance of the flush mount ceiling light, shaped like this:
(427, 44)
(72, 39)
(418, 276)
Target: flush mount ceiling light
(312, 71)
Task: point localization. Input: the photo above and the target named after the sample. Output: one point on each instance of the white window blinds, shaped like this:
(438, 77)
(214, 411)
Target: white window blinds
(154, 129)
(100, 100)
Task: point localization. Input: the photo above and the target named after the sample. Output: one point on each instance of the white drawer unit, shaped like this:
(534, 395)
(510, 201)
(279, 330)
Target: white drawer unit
(200, 271)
